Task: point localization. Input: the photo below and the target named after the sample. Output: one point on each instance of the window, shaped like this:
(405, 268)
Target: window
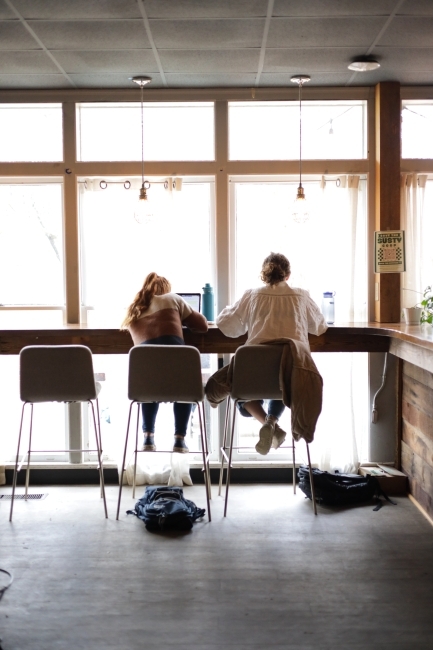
(172, 131)
(176, 240)
(417, 129)
(270, 130)
(31, 243)
(327, 253)
(31, 132)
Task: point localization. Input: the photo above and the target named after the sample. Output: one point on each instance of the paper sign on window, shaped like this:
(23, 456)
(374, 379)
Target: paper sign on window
(389, 252)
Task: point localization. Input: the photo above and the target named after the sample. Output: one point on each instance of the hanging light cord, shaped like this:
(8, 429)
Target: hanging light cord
(300, 134)
(142, 136)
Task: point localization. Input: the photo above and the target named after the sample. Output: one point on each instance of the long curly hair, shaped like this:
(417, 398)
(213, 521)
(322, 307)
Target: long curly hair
(275, 269)
(153, 285)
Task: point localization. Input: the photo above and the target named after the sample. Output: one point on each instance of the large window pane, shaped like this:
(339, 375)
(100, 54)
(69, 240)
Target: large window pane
(31, 132)
(172, 131)
(31, 244)
(327, 253)
(417, 129)
(118, 252)
(270, 130)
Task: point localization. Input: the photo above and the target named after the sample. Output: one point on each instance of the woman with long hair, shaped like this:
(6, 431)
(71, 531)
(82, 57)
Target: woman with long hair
(270, 313)
(156, 316)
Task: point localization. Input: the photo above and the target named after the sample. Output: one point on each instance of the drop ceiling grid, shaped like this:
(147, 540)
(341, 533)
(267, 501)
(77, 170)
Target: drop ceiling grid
(215, 43)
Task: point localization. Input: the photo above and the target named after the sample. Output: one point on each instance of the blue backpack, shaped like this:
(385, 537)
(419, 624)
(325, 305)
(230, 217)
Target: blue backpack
(165, 508)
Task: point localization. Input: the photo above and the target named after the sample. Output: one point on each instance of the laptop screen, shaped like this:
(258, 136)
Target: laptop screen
(192, 299)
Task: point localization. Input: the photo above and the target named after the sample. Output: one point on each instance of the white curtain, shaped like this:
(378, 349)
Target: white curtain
(418, 255)
(327, 253)
(341, 432)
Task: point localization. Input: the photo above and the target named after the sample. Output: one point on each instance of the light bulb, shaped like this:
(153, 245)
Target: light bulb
(143, 212)
(300, 212)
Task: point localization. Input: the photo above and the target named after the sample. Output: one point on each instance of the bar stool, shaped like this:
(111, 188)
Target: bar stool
(166, 373)
(256, 375)
(57, 373)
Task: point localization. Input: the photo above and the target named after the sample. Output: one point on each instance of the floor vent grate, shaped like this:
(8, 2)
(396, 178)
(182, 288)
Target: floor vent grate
(21, 497)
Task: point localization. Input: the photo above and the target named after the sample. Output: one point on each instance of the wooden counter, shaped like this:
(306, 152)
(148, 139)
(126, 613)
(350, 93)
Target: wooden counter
(347, 337)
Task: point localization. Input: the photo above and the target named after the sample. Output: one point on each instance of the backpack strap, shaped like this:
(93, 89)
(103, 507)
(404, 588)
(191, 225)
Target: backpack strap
(381, 493)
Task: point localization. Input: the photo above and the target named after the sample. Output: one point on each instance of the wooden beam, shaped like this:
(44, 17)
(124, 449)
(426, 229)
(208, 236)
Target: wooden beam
(388, 159)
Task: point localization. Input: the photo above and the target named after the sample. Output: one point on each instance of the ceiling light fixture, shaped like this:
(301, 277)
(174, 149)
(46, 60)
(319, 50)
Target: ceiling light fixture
(142, 213)
(300, 208)
(364, 64)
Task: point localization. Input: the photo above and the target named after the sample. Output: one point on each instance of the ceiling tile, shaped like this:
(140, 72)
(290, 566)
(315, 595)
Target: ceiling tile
(212, 34)
(5, 11)
(26, 62)
(200, 61)
(93, 62)
(91, 35)
(33, 81)
(314, 32)
(77, 9)
(405, 60)
(416, 8)
(210, 9)
(13, 36)
(112, 81)
(319, 79)
(309, 59)
(407, 32)
(333, 7)
(210, 81)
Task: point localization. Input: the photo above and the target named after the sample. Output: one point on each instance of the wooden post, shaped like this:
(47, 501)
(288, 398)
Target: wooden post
(388, 158)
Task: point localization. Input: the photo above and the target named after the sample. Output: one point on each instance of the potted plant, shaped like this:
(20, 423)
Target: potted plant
(426, 305)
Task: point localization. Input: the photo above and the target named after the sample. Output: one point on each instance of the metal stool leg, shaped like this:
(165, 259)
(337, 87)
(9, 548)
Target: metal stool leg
(14, 481)
(223, 448)
(122, 468)
(135, 452)
(294, 465)
(229, 464)
(313, 494)
(97, 428)
(205, 458)
(206, 448)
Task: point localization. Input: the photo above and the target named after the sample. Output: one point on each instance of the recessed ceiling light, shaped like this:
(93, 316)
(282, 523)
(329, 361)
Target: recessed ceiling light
(364, 64)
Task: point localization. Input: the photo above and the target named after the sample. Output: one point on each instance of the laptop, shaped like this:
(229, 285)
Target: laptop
(192, 299)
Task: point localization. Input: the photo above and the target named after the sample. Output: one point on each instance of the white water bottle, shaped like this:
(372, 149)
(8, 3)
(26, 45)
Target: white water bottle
(328, 307)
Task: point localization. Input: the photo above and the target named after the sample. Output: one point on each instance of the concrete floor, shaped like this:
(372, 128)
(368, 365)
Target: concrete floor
(271, 575)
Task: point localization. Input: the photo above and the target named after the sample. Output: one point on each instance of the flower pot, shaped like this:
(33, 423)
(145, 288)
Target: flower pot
(412, 315)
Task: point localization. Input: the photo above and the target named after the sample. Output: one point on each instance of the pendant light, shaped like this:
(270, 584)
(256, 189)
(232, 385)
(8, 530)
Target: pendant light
(300, 207)
(142, 211)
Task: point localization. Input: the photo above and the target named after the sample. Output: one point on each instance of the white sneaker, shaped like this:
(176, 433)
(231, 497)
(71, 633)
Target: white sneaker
(278, 437)
(266, 435)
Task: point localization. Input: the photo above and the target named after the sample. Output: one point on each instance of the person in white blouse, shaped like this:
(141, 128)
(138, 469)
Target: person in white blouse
(274, 311)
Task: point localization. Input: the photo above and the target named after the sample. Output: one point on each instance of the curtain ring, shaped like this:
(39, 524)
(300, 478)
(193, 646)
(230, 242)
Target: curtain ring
(103, 185)
(127, 185)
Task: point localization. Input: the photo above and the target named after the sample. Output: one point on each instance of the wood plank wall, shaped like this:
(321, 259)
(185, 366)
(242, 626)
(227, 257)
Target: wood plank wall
(417, 433)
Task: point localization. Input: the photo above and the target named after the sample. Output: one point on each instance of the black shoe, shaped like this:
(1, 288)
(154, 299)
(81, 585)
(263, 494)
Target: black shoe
(149, 442)
(180, 445)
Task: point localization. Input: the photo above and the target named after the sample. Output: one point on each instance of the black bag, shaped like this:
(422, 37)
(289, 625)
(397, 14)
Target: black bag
(341, 489)
(165, 508)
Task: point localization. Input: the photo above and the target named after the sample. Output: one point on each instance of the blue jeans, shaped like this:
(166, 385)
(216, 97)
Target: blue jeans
(275, 408)
(181, 410)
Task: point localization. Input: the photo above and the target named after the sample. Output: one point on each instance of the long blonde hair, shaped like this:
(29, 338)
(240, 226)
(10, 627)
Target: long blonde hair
(154, 285)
